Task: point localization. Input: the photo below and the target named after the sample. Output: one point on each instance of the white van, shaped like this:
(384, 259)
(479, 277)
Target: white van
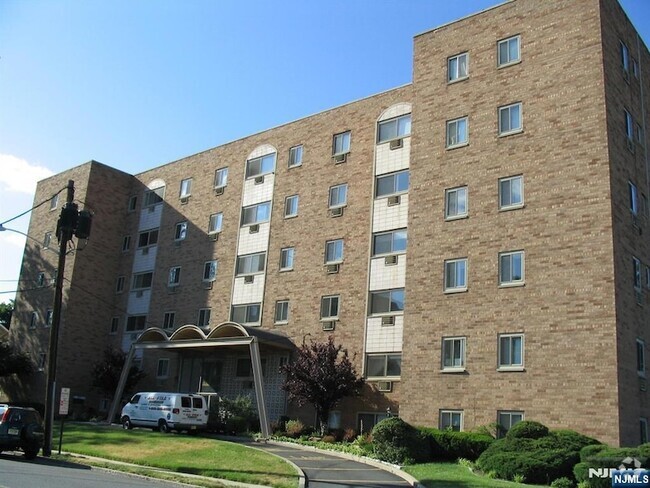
(166, 411)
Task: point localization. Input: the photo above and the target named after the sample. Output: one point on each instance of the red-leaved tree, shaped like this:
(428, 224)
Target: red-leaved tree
(321, 374)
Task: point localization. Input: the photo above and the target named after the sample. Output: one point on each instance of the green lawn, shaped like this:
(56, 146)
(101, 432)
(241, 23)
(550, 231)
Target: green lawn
(451, 475)
(180, 453)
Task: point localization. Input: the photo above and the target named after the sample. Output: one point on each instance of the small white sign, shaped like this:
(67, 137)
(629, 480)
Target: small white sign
(64, 402)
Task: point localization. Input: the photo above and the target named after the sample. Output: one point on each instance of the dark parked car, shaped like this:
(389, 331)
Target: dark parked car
(21, 428)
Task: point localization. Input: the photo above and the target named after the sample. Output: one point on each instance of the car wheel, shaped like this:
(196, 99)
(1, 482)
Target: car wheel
(31, 452)
(163, 427)
(126, 423)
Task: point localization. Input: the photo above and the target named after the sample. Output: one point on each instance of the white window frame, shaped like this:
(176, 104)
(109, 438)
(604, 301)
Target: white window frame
(247, 307)
(396, 178)
(502, 430)
(119, 284)
(454, 73)
(169, 319)
(509, 61)
(291, 206)
(42, 361)
(152, 236)
(508, 364)
(508, 255)
(625, 57)
(334, 200)
(392, 250)
(456, 192)
(115, 325)
(343, 147)
(510, 129)
(40, 279)
(453, 133)
(257, 219)
(629, 125)
(455, 287)
(295, 156)
(221, 177)
(402, 128)
(334, 244)
(54, 201)
(47, 239)
(186, 188)
(174, 276)
(204, 316)
(163, 364)
(330, 299)
(634, 198)
(210, 271)
(640, 358)
(153, 196)
(391, 311)
(133, 203)
(33, 320)
(462, 348)
(180, 231)
(126, 243)
(512, 205)
(281, 313)
(450, 422)
(252, 172)
(49, 316)
(385, 357)
(139, 322)
(246, 262)
(215, 223)
(290, 252)
(138, 281)
(636, 268)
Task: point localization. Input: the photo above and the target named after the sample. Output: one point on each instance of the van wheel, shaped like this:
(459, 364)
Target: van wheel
(163, 427)
(126, 423)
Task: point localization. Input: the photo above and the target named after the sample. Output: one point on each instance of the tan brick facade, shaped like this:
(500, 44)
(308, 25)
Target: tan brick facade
(576, 306)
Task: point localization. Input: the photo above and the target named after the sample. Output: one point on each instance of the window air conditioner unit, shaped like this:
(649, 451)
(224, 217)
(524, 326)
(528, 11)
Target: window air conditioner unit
(207, 285)
(328, 325)
(145, 250)
(391, 260)
(336, 212)
(249, 279)
(390, 320)
(332, 268)
(184, 200)
(259, 180)
(385, 386)
(254, 228)
(340, 158)
(214, 236)
(219, 190)
(396, 144)
(394, 200)
(139, 293)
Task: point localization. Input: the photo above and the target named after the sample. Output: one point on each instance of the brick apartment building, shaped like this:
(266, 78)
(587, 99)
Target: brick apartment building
(515, 165)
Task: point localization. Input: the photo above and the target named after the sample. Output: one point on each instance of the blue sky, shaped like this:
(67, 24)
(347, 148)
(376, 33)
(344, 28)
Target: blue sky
(136, 84)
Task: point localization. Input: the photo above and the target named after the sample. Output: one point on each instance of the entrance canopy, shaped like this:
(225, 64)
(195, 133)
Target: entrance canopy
(226, 334)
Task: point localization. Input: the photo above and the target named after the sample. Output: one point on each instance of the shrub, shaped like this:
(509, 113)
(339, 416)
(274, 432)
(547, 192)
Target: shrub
(349, 435)
(567, 439)
(588, 452)
(527, 429)
(519, 478)
(239, 415)
(451, 445)
(328, 439)
(563, 482)
(397, 442)
(295, 428)
(605, 457)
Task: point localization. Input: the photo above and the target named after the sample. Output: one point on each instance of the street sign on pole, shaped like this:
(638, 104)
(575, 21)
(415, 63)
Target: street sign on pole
(64, 402)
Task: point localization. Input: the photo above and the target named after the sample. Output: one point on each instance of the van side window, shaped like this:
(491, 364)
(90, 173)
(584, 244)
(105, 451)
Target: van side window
(186, 402)
(135, 399)
(197, 402)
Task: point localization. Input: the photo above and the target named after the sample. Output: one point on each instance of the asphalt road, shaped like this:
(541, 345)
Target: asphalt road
(17, 472)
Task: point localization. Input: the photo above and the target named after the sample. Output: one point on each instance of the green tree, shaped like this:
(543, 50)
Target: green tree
(13, 362)
(106, 373)
(6, 309)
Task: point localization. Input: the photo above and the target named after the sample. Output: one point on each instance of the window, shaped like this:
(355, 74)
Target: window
(244, 368)
(392, 184)
(640, 357)
(181, 231)
(163, 368)
(389, 242)
(636, 264)
(295, 156)
(152, 197)
(366, 421)
(210, 271)
(126, 243)
(136, 322)
(451, 420)
(133, 203)
(341, 144)
(281, 312)
(40, 280)
(639, 134)
(635, 68)
(334, 419)
(221, 177)
(388, 301)
(142, 281)
(383, 365)
(334, 251)
(505, 421)
(511, 268)
(186, 188)
(508, 51)
(119, 284)
(456, 203)
(291, 206)
(643, 430)
(625, 57)
(511, 351)
(42, 361)
(33, 320)
(54, 201)
(392, 129)
(453, 353)
(251, 264)
(256, 213)
(115, 325)
(204, 317)
(246, 314)
(286, 258)
(629, 126)
(634, 198)
(148, 238)
(329, 307)
(457, 133)
(168, 320)
(338, 196)
(510, 119)
(511, 192)
(215, 223)
(47, 239)
(174, 276)
(260, 166)
(456, 275)
(457, 67)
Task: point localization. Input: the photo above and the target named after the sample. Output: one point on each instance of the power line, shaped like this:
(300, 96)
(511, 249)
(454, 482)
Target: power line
(34, 207)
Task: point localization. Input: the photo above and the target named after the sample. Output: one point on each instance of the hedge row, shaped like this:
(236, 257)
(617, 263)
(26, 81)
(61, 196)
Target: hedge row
(448, 445)
(602, 456)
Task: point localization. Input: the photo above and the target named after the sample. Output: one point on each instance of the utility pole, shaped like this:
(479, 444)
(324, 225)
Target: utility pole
(65, 228)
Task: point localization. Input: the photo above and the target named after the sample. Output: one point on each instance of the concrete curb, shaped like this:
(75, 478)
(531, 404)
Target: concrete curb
(301, 474)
